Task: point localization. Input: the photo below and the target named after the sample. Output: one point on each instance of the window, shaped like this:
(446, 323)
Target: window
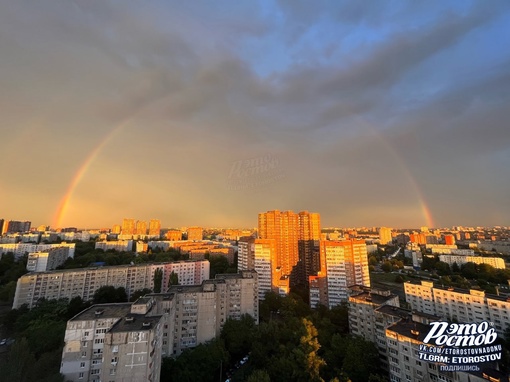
(83, 353)
(80, 375)
(82, 364)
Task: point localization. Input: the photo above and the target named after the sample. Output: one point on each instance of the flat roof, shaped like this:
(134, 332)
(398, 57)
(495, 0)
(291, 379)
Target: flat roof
(394, 311)
(372, 297)
(98, 311)
(404, 328)
(135, 322)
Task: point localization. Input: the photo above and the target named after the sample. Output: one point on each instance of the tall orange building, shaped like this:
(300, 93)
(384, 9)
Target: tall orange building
(296, 236)
(155, 227)
(308, 244)
(128, 226)
(141, 227)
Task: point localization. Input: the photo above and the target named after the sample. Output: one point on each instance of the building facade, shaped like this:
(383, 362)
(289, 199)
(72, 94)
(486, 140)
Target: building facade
(47, 261)
(85, 282)
(458, 304)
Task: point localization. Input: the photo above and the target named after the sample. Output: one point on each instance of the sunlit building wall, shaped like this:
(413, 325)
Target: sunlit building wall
(385, 235)
(155, 228)
(85, 282)
(195, 233)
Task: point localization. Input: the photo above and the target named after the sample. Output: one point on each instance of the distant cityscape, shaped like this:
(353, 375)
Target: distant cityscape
(185, 305)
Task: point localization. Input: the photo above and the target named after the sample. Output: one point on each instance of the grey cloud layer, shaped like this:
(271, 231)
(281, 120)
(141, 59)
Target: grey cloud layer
(349, 135)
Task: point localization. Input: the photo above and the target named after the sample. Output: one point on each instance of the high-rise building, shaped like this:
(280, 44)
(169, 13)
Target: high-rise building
(385, 235)
(116, 228)
(14, 226)
(126, 341)
(128, 226)
(343, 264)
(113, 342)
(155, 227)
(141, 227)
(258, 255)
(195, 233)
(308, 244)
(283, 228)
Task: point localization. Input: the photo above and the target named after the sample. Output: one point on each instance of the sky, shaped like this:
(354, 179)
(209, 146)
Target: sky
(389, 113)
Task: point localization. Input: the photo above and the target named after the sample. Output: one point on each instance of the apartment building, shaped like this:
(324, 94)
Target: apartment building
(125, 342)
(85, 282)
(363, 303)
(113, 342)
(258, 255)
(343, 264)
(20, 249)
(459, 304)
(48, 260)
(195, 233)
(118, 245)
(496, 262)
(195, 314)
(403, 341)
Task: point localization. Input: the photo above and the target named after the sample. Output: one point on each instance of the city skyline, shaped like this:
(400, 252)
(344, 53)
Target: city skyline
(388, 114)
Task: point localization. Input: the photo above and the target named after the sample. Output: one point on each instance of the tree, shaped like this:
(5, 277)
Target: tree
(387, 266)
(442, 268)
(361, 359)
(158, 280)
(174, 279)
(109, 294)
(309, 347)
(259, 375)
(238, 336)
(19, 362)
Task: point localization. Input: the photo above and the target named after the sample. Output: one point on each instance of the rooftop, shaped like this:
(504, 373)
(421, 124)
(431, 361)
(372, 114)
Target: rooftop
(410, 329)
(103, 311)
(135, 322)
(394, 311)
(373, 298)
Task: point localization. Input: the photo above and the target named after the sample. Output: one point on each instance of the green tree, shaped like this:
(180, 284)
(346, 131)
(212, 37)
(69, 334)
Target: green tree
(309, 347)
(18, 363)
(174, 279)
(387, 266)
(237, 336)
(259, 375)
(361, 359)
(109, 294)
(158, 280)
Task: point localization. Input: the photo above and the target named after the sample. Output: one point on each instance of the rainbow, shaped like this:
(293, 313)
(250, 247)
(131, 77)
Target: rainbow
(427, 215)
(65, 201)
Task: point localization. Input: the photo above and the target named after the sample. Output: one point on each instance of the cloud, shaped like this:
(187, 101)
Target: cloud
(367, 108)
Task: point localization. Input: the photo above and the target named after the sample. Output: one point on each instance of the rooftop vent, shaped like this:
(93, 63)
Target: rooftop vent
(415, 332)
(146, 324)
(130, 319)
(98, 312)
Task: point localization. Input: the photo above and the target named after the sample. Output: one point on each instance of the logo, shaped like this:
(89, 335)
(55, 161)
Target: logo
(254, 173)
(460, 347)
